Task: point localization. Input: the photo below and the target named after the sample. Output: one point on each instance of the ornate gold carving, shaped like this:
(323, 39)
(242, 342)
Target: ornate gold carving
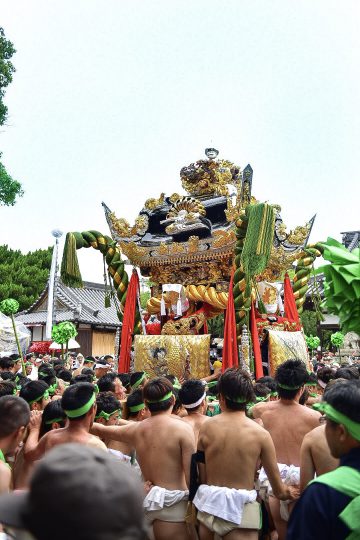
(151, 204)
(174, 197)
(199, 273)
(189, 204)
(123, 229)
(177, 355)
(184, 326)
(206, 177)
(193, 244)
(298, 236)
(132, 250)
(223, 238)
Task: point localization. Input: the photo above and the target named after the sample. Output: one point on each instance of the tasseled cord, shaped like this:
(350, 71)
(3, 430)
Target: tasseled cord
(162, 306)
(70, 271)
(178, 308)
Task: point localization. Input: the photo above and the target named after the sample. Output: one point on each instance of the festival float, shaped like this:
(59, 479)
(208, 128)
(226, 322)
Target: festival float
(212, 249)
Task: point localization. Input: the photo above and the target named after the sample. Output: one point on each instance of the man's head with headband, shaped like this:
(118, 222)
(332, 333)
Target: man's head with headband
(108, 409)
(235, 389)
(36, 394)
(341, 407)
(192, 395)
(79, 402)
(291, 376)
(135, 408)
(138, 379)
(158, 395)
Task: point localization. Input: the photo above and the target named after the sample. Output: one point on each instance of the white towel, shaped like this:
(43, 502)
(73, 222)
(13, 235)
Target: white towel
(158, 497)
(119, 455)
(223, 502)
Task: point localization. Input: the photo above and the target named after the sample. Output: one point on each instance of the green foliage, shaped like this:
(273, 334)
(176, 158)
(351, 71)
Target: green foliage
(312, 342)
(216, 326)
(9, 188)
(6, 71)
(309, 322)
(144, 297)
(63, 332)
(9, 306)
(337, 339)
(23, 277)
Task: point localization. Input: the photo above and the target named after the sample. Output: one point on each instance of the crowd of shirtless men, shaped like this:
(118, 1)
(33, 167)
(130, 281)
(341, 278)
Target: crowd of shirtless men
(87, 453)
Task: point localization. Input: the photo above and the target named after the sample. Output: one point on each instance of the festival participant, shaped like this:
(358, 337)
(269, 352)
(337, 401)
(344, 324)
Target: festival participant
(164, 446)
(53, 417)
(138, 379)
(125, 379)
(135, 409)
(229, 448)
(328, 508)
(36, 394)
(14, 417)
(6, 364)
(83, 377)
(77, 492)
(112, 383)
(324, 375)
(192, 395)
(346, 373)
(79, 404)
(8, 388)
(48, 375)
(65, 375)
(271, 384)
(101, 368)
(287, 422)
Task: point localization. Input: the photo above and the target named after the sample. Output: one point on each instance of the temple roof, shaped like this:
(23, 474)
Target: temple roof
(84, 305)
(351, 239)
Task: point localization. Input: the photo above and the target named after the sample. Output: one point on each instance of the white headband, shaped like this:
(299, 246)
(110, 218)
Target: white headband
(196, 404)
(102, 366)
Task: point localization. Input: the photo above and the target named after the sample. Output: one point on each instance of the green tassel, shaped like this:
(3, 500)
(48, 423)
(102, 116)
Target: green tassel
(107, 300)
(258, 241)
(70, 271)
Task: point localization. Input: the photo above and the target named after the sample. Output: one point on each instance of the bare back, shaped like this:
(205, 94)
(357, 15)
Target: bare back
(195, 421)
(315, 456)
(232, 444)
(66, 435)
(288, 423)
(164, 446)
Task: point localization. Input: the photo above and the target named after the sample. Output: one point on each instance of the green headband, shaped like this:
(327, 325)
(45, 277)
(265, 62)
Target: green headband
(176, 384)
(236, 399)
(166, 397)
(82, 410)
(272, 394)
(352, 427)
(137, 408)
(48, 422)
(53, 388)
(263, 398)
(137, 383)
(45, 395)
(286, 387)
(210, 384)
(106, 415)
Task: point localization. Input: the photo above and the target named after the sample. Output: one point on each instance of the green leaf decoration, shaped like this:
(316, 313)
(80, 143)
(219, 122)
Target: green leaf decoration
(63, 332)
(337, 339)
(9, 306)
(342, 284)
(312, 342)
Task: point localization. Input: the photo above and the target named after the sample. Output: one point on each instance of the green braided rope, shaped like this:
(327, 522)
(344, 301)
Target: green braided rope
(302, 273)
(242, 303)
(109, 249)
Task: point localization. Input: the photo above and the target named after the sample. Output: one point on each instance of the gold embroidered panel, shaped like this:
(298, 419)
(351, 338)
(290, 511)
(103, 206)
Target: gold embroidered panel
(183, 356)
(285, 346)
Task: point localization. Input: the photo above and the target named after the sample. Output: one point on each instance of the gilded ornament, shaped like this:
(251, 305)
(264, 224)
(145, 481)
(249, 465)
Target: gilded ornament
(151, 204)
(223, 238)
(193, 244)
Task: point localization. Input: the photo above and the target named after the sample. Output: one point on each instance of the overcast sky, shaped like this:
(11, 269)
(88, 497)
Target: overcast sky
(112, 97)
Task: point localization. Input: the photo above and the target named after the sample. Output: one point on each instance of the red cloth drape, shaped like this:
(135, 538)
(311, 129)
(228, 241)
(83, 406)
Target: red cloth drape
(128, 323)
(291, 311)
(259, 372)
(230, 356)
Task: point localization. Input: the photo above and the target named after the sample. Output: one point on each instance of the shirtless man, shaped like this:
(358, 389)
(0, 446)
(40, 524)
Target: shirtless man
(192, 395)
(14, 417)
(164, 446)
(232, 445)
(79, 404)
(287, 422)
(315, 457)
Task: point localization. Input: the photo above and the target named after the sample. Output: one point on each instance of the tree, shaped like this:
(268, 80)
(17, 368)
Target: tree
(9, 188)
(23, 277)
(216, 326)
(309, 322)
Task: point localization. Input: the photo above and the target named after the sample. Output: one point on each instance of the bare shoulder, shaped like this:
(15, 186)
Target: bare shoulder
(313, 435)
(259, 409)
(96, 442)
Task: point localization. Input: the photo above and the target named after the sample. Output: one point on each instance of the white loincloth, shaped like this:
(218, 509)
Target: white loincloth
(289, 474)
(120, 456)
(165, 505)
(225, 503)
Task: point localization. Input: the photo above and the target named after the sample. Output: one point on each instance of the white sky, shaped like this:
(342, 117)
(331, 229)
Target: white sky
(112, 97)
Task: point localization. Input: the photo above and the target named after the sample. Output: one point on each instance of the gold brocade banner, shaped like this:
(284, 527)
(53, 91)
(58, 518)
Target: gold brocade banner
(286, 346)
(183, 356)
